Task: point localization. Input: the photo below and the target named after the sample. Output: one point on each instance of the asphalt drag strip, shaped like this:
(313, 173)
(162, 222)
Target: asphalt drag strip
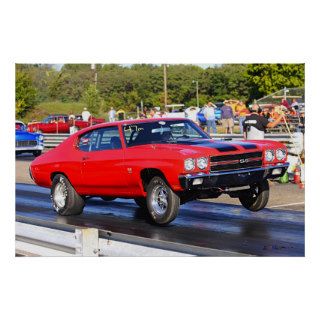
(269, 232)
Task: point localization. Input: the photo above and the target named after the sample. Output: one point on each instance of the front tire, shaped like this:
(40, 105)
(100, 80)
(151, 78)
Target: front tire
(65, 200)
(163, 204)
(36, 153)
(257, 197)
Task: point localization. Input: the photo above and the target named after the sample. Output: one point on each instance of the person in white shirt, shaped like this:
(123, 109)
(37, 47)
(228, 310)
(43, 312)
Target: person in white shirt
(210, 117)
(112, 115)
(85, 114)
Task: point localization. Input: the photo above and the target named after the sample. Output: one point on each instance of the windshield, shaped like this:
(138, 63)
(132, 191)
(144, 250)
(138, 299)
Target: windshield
(20, 126)
(162, 131)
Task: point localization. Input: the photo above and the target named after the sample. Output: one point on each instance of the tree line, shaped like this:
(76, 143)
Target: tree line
(126, 87)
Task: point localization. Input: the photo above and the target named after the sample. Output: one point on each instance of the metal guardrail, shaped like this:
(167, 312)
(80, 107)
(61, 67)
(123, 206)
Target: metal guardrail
(46, 238)
(52, 140)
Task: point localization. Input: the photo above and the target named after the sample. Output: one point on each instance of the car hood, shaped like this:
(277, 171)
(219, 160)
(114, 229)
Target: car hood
(195, 147)
(26, 135)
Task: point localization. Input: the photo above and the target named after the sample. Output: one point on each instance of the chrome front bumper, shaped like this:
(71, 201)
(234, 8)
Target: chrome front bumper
(235, 178)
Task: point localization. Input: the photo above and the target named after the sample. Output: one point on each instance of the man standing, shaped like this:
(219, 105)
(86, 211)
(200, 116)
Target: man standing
(85, 114)
(210, 117)
(227, 117)
(255, 125)
(112, 115)
(242, 112)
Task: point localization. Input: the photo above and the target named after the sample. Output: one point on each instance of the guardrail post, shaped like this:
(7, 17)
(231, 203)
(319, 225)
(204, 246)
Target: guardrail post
(87, 242)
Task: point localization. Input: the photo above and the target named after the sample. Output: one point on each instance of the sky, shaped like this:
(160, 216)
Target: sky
(204, 66)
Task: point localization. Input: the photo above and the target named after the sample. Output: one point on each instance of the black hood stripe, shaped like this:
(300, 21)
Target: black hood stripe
(220, 146)
(246, 145)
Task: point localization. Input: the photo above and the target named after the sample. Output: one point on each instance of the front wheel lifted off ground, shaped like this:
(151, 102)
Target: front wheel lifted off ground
(65, 200)
(163, 204)
(257, 197)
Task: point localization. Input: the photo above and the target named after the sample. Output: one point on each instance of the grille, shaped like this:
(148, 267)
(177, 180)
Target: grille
(26, 143)
(236, 161)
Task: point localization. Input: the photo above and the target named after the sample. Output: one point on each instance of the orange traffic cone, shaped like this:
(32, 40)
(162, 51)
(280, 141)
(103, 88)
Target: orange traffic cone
(296, 176)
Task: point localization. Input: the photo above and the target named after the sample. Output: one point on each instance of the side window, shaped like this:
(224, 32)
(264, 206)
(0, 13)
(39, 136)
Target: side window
(109, 139)
(100, 139)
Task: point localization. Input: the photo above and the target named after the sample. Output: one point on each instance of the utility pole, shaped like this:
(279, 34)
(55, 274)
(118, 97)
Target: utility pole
(197, 90)
(165, 85)
(93, 67)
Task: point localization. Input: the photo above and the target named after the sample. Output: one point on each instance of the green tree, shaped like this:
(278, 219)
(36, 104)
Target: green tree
(25, 93)
(265, 79)
(92, 99)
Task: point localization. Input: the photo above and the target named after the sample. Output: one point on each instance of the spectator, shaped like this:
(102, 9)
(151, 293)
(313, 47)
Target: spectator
(295, 104)
(72, 124)
(85, 114)
(152, 113)
(192, 114)
(301, 121)
(210, 118)
(227, 117)
(241, 112)
(285, 103)
(255, 125)
(265, 113)
(112, 115)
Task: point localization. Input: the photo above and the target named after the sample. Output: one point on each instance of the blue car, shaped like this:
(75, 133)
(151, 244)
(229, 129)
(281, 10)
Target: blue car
(27, 142)
(217, 113)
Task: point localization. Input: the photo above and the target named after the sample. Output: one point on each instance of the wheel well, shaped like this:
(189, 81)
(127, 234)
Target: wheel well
(53, 174)
(148, 174)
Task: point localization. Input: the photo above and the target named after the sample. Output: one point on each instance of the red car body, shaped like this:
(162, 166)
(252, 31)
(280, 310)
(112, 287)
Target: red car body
(126, 171)
(60, 123)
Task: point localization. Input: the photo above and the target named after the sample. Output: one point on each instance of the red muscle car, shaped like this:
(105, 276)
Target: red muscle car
(160, 163)
(60, 123)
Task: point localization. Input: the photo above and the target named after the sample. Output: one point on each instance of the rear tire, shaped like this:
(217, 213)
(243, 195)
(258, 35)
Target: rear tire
(65, 200)
(257, 197)
(141, 202)
(163, 204)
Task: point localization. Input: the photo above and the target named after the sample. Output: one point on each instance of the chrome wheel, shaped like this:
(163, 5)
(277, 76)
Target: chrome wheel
(159, 200)
(60, 195)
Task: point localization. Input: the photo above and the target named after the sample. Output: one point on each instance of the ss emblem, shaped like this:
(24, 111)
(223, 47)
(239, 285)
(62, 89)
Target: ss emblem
(243, 160)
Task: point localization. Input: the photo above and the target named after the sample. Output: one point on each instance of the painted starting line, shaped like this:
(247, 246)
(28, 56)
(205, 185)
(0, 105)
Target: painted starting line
(286, 205)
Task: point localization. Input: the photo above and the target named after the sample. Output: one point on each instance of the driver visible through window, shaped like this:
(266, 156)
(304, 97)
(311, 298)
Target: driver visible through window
(162, 132)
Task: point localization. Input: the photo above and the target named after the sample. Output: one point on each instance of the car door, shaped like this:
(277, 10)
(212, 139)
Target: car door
(103, 170)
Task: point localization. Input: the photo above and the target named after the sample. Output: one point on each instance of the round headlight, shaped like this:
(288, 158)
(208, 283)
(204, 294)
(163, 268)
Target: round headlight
(40, 137)
(202, 163)
(280, 154)
(189, 164)
(269, 155)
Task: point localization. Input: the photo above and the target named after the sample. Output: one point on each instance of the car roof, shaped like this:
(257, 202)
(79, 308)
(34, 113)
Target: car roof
(128, 122)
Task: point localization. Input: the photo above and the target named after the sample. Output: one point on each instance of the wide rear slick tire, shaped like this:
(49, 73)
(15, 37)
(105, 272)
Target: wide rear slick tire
(141, 202)
(163, 204)
(65, 200)
(257, 197)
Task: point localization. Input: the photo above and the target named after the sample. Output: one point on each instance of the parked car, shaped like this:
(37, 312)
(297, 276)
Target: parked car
(160, 163)
(27, 142)
(60, 123)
